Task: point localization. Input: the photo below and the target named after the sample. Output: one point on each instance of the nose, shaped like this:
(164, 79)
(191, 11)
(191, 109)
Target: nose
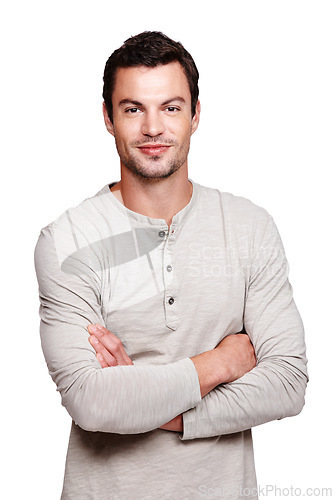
(153, 124)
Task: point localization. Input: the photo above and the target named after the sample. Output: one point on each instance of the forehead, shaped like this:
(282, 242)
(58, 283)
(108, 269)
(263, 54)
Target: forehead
(144, 83)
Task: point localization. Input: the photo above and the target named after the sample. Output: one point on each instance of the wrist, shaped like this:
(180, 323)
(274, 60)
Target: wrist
(175, 425)
(208, 367)
(223, 373)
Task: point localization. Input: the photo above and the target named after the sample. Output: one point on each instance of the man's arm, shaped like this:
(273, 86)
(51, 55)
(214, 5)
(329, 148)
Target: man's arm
(123, 398)
(275, 388)
(230, 360)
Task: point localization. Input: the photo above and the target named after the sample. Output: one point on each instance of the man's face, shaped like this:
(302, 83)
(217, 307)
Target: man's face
(152, 122)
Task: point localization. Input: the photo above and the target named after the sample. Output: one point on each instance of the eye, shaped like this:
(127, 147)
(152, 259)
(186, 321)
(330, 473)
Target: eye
(172, 109)
(131, 111)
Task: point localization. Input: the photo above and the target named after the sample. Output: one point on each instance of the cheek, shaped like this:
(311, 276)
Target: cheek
(180, 127)
(184, 131)
(124, 133)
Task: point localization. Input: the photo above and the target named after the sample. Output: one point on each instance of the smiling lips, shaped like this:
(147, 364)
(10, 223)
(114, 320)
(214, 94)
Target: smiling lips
(154, 149)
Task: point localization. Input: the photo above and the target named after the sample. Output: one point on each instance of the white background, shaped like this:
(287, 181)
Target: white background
(266, 133)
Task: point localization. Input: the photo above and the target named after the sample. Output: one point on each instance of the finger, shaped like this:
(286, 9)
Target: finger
(104, 353)
(102, 360)
(104, 348)
(113, 344)
(110, 342)
(123, 356)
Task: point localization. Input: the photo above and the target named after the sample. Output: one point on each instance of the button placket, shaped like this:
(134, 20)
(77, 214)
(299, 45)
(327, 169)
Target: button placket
(171, 285)
(167, 267)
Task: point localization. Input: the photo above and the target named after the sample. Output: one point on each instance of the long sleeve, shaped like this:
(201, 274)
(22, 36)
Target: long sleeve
(275, 388)
(124, 399)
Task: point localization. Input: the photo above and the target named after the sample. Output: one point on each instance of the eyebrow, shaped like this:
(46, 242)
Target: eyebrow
(130, 101)
(137, 103)
(168, 101)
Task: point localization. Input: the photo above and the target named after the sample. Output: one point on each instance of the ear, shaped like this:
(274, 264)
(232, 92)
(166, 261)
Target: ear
(107, 121)
(196, 118)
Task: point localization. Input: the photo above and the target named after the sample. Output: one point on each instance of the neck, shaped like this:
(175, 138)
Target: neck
(155, 198)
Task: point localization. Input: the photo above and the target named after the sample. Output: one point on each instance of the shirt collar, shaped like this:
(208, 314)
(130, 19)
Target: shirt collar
(177, 219)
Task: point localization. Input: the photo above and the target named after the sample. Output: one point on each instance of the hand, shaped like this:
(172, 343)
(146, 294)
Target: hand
(231, 359)
(109, 349)
(175, 425)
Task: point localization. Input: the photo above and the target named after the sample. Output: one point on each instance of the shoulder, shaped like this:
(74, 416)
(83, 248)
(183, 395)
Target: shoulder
(234, 209)
(88, 212)
(84, 223)
(245, 224)
(76, 228)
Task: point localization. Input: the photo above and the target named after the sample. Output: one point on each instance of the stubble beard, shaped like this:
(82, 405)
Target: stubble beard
(162, 169)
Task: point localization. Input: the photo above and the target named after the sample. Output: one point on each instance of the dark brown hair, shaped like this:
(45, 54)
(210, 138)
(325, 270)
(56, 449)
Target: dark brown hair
(150, 48)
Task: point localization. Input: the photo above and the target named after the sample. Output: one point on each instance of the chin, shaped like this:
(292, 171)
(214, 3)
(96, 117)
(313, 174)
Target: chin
(151, 173)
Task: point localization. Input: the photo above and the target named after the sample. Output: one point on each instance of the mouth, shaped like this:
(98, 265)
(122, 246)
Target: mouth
(153, 149)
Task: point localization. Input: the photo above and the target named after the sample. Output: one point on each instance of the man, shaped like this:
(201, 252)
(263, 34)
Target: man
(167, 318)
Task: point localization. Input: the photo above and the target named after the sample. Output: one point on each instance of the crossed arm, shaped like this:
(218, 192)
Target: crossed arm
(231, 359)
(233, 392)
